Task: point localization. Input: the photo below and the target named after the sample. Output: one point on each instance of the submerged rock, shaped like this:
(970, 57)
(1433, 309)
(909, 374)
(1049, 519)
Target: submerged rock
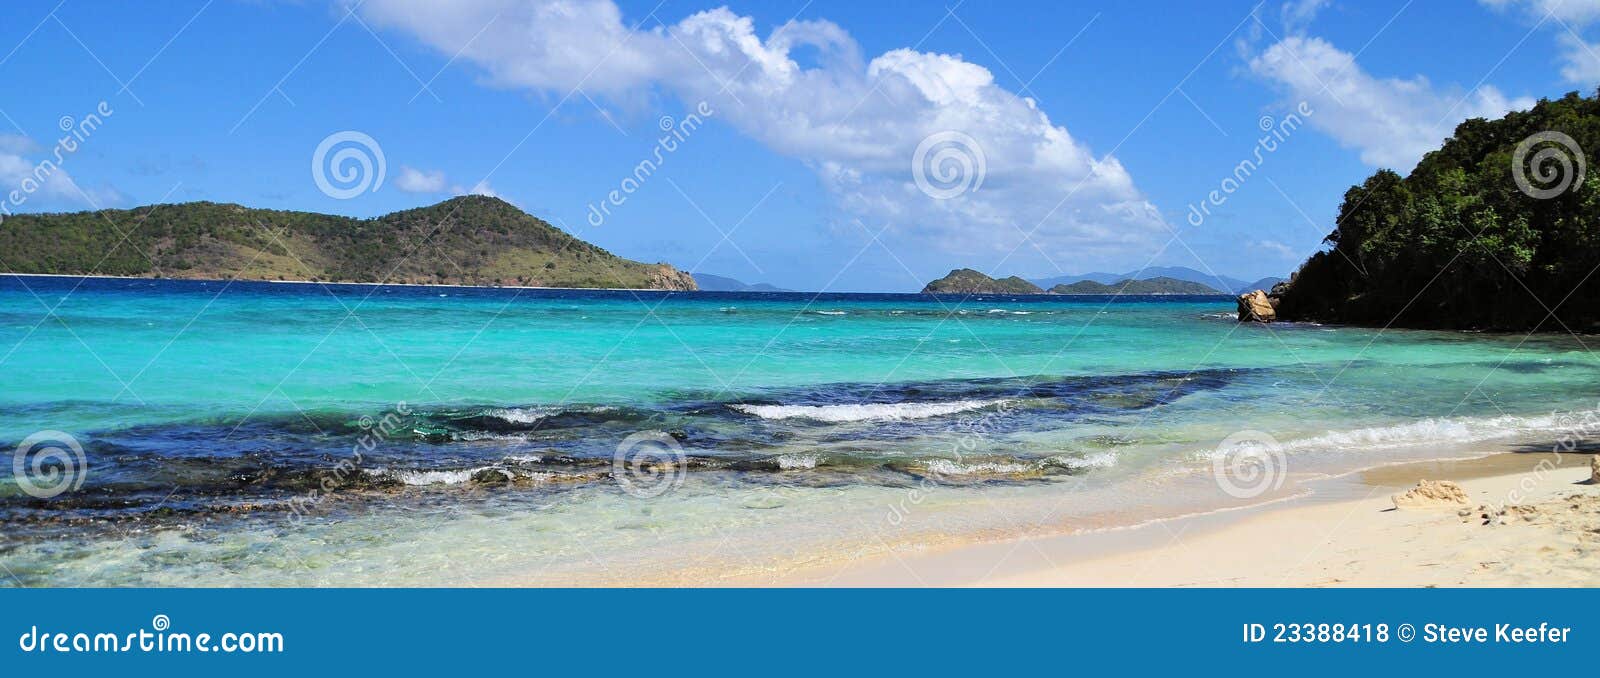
(1432, 494)
(1257, 306)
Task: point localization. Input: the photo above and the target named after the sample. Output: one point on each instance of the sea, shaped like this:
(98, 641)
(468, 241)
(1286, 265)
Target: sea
(213, 433)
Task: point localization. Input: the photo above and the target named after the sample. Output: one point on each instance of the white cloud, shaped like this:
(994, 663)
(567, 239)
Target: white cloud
(856, 122)
(1583, 60)
(1275, 247)
(480, 188)
(1392, 122)
(1575, 12)
(1568, 17)
(25, 182)
(413, 180)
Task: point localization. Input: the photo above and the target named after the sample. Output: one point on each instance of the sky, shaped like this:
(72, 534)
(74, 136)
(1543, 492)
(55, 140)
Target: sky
(815, 145)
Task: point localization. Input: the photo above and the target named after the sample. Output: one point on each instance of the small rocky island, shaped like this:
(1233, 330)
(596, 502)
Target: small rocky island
(968, 281)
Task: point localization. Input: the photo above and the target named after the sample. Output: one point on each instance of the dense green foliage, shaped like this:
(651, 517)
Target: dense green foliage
(473, 240)
(968, 281)
(1459, 244)
(1157, 285)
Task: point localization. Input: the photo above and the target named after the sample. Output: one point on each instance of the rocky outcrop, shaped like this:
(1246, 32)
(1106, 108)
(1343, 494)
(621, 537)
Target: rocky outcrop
(1256, 306)
(1432, 494)
(666, 277)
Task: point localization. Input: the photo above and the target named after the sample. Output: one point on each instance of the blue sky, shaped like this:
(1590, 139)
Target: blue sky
(1098, 124)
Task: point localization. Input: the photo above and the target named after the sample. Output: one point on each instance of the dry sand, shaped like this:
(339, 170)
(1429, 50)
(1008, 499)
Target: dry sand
(1345, 532)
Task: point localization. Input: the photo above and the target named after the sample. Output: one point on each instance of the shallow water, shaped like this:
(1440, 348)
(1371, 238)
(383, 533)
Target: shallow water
(258, 433)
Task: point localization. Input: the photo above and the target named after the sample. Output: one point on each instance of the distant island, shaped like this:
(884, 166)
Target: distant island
(968, 281)
(469, 240)
(1157, 285)
(1220, 284)
(1498, 229)
(720, 283)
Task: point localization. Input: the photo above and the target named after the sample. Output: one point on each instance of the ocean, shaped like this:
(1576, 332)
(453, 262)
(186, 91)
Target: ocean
(261, 434)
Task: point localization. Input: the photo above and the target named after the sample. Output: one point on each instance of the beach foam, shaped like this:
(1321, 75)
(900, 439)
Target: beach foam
(864, 411)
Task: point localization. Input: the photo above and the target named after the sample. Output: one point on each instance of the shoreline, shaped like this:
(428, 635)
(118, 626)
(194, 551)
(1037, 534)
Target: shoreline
(1341, 531)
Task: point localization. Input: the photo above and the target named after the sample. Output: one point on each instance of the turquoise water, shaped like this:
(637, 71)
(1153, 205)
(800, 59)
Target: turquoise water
(261, 433)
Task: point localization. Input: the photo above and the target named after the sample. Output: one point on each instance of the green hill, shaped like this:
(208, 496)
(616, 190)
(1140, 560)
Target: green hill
(470, 240)
(1475, 237)
(968, 281)
(1158, 285)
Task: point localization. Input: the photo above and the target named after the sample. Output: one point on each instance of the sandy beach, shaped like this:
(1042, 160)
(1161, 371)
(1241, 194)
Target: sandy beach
(1345, 532)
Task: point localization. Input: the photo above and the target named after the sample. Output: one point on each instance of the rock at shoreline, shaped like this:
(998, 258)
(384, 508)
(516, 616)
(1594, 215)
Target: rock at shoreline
(1257, 307)
(1432, 494)
(1594, 470)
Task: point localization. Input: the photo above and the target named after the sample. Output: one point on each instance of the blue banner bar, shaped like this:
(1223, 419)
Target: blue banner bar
(796, 632)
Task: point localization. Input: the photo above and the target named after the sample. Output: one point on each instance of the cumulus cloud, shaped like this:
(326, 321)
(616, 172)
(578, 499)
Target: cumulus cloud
(1390, 121)
(413, 180)
(807, 92)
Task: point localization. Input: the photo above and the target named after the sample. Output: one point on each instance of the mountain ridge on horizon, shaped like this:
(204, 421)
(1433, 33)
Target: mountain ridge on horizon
(466, 240)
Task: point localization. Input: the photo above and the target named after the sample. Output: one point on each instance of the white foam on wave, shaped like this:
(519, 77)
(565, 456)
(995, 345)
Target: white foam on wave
(446, 477)
(1430, 431)
(830, 312)
(1088, 461)
(788, 462)
(865, 411)
(946, 467)
(532, 415)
